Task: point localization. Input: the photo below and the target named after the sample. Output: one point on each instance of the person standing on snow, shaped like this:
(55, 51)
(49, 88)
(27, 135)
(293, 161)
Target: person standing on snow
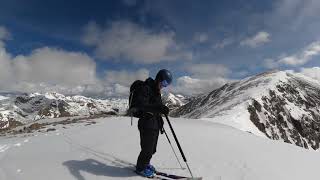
(148, 102)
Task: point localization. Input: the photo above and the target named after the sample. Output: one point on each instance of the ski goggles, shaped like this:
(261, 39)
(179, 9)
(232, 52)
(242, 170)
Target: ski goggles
(164, 83)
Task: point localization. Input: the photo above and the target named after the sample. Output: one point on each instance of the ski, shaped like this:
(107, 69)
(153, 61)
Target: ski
(156, 177)
(172, 176)
(161, 177)
(167, 176)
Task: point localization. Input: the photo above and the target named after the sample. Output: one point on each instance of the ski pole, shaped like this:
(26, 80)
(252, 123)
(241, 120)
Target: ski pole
(172, 148)
(178, 144)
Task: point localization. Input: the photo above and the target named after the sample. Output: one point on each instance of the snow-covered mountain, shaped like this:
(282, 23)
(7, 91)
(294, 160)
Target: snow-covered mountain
(29, 107)
(174, 101)
(278, 105)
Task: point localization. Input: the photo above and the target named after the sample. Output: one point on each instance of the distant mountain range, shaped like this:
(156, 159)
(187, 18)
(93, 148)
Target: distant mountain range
(18, 108)
(26, 108)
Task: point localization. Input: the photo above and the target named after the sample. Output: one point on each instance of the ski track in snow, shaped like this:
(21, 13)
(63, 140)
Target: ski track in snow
(5, 147)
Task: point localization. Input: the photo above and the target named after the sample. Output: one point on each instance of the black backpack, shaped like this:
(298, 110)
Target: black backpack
(135, 86)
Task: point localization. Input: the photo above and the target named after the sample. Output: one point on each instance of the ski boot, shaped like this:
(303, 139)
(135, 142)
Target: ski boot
(146, 173)
(152, 168)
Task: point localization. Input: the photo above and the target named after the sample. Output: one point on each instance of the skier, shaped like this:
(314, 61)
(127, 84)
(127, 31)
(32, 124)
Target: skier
(148, 102)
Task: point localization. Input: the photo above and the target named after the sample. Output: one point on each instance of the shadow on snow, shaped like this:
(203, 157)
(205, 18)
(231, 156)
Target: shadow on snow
(97, 168)
(116, 167)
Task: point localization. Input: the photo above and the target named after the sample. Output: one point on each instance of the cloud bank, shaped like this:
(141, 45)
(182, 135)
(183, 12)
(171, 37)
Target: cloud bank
(204, 78)
(49, 69)
(193, 86)
(46, 68)
(52, 69)
(300, 58)
(131, 42)
(313, 72)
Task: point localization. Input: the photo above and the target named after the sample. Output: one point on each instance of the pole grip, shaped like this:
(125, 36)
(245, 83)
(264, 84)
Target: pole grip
(176, 139)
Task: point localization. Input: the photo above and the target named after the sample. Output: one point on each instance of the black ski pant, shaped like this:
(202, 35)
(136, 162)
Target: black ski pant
(148, 143)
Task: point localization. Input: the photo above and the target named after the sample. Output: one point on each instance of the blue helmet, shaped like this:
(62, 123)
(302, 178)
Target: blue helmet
(164, 76)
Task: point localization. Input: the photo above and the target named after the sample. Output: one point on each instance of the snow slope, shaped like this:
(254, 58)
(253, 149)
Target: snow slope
(278, 105)
(109, 148)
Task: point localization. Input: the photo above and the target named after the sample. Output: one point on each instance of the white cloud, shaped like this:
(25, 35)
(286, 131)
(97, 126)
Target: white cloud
(47, 69)
(201, 37)
(300, 58)
(207, 70)
(260, 38)
(270, 63)
(129, 41)
(313, 72)
(5, 68)
(124, 77)
(51, 69)
(296, 13)
(203, 78)
(121, 90)
(120, 81)
(55, 66)
(225, 42)
(193, 86)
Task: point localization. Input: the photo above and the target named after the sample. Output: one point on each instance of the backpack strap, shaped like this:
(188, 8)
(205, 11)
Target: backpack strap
(130, 100)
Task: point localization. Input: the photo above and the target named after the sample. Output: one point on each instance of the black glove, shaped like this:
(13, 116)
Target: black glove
(164, 110)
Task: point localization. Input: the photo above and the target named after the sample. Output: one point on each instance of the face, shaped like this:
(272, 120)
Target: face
(159, 86)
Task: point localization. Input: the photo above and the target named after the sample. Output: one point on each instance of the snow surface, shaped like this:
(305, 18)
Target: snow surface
(108, 150)
(3, 97)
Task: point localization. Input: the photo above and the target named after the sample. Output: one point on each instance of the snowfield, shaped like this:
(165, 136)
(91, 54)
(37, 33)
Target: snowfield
(109, 148)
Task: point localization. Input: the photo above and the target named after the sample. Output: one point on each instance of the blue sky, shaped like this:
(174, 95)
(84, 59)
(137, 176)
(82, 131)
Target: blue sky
(204, 43)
